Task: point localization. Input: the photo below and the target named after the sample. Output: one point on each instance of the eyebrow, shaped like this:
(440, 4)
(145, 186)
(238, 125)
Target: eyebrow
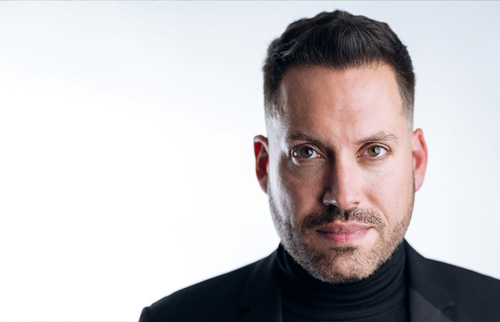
(302, 137)
(377, 137)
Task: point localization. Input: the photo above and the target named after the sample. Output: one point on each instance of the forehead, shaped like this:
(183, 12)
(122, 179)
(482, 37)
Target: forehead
(310, 87)
(341, 98)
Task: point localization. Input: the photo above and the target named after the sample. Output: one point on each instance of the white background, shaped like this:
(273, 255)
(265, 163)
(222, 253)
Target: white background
(126, 161)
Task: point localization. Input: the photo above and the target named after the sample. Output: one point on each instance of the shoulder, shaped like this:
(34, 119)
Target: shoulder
(462, 283)
(465, 279)
(468, 287)
(215, 299)
(462, 294)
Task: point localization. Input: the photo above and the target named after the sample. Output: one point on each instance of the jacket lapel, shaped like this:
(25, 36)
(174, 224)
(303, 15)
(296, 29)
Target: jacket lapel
(427, 295)
(261, 295)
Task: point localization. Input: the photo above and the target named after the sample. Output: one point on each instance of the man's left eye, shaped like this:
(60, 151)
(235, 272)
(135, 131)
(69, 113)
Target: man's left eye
(375, 151)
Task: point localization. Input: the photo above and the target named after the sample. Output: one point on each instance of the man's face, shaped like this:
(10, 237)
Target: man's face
(340, 166)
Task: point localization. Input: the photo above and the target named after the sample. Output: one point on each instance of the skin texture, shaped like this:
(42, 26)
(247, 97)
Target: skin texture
(341, 167)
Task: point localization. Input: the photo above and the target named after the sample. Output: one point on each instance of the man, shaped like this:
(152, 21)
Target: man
(341, 165)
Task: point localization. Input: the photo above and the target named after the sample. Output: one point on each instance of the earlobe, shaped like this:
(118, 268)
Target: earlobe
(261, 150)
(419, 152)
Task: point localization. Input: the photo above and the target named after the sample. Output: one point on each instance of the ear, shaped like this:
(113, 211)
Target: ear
(261, 150)
(419, 152)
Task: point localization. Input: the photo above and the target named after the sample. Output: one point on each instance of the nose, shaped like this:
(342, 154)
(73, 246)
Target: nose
(343, 186)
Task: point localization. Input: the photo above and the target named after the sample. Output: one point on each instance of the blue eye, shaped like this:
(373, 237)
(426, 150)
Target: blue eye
(305, 152)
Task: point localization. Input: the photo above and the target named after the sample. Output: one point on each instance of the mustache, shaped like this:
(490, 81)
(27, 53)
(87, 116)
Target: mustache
(333, 213)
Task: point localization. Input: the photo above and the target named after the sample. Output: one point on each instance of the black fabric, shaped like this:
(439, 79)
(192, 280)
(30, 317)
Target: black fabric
(381, 297)
(437, 292)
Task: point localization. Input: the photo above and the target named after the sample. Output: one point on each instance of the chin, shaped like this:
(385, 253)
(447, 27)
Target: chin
(343, 264)
(333, 262)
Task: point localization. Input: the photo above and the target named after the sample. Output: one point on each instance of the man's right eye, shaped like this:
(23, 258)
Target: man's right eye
(305, 152)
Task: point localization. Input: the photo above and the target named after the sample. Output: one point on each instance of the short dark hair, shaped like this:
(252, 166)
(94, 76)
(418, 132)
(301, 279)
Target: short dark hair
(338, 40)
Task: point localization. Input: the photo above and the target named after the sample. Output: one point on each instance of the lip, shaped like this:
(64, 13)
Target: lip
(343, 233)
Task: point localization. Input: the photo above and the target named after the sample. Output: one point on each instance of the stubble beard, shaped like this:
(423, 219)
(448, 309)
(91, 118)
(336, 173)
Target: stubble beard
(340, 264)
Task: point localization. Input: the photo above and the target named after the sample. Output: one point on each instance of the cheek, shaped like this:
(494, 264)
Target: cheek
(295, 195)
(390, 193)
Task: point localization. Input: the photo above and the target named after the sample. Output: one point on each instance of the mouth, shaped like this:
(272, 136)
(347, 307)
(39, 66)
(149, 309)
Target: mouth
(343, 233)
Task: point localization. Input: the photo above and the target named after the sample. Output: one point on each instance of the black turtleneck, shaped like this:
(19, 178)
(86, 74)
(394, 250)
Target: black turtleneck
(380, 297)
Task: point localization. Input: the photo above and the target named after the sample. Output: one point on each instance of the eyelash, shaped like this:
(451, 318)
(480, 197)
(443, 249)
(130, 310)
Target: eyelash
(296, 150)
(377, 157)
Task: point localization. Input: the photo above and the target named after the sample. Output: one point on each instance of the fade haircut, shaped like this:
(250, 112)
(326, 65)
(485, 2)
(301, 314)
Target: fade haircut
(338, 40)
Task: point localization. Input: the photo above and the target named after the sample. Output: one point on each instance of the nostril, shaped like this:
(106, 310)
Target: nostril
(343, 199)
(329, 201)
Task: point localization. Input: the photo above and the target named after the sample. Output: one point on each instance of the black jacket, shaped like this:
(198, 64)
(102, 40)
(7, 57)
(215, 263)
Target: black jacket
(437, 292)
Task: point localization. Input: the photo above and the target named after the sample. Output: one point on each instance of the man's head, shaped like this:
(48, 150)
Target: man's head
(341, 163)
(337, 40)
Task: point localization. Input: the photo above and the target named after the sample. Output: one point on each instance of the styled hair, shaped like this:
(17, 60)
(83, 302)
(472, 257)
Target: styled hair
(338, 40)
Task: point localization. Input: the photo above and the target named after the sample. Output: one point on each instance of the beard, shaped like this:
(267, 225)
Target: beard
(339, 264)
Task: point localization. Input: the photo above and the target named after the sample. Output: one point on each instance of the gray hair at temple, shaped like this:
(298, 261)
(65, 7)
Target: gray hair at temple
(338, 40)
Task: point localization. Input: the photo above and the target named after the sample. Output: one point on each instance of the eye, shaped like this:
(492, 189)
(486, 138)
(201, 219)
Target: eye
(375, 151)
(304, 152)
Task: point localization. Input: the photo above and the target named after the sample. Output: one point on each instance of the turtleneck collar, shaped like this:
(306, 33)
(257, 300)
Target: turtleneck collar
(310, 298)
